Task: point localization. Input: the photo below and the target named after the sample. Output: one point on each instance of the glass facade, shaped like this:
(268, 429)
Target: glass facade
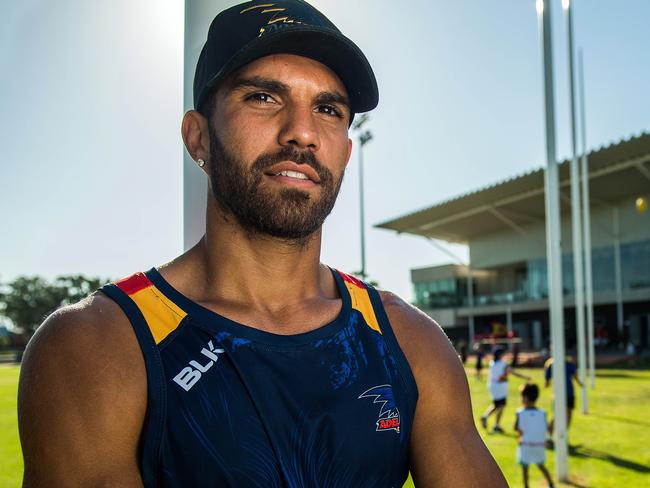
(602, 270)
(446, 293)
(537, 280)
(531, 282)
(635, 265)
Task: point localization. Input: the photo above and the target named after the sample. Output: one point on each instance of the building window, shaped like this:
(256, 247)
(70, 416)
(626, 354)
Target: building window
(635, 265)
(445, 293)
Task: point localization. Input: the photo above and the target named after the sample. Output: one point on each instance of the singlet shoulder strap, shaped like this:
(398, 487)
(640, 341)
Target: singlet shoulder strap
(161, 314)
(360, 299)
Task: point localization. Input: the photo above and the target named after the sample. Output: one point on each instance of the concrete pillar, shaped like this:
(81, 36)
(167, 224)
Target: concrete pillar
(198, 16)
(509, 324)
(538, 341)
(618, 275)
(635, 329)
(470, 302)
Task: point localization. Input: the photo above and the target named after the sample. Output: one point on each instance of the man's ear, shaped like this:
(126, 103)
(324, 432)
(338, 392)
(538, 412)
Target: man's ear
(196, 137)
(349, 152)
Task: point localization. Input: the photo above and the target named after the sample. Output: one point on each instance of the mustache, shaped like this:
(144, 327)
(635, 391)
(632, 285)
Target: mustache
(290, 153)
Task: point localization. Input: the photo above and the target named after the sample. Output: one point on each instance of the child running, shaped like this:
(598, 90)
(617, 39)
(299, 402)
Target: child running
(498, 388)
(531, 426)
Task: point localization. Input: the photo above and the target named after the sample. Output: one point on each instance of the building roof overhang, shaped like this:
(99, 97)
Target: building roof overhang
(616, 172)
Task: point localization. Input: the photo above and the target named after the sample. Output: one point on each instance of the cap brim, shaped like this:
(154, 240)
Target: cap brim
(326, 46)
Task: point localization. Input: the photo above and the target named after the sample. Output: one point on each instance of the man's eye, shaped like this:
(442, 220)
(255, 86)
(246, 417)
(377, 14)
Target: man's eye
(329, 110)
(260, 98)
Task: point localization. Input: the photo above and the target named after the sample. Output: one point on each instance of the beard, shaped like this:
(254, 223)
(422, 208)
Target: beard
(289, 213)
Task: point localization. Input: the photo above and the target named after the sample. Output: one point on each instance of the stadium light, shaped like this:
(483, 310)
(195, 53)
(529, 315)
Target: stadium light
(364, 138)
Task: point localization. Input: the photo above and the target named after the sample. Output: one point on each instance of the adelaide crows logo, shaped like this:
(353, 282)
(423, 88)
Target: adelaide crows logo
(388, 412)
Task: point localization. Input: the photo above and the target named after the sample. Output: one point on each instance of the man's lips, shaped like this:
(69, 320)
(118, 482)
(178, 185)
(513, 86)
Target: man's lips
(293, 171)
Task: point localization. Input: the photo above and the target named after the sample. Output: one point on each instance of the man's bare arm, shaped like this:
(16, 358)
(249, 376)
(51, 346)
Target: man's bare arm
(446, 449)
(82, 399)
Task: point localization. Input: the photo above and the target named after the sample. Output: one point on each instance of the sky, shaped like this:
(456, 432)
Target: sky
(91, 99)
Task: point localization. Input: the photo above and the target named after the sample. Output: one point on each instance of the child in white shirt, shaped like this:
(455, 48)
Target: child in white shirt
(531, 425)
(498, 388)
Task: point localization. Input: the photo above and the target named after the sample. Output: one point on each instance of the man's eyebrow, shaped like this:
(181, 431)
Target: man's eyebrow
(266, 84)
(275, 86)
(333, 97)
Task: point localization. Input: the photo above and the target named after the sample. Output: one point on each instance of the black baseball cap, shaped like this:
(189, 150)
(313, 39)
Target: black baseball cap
(251, 30)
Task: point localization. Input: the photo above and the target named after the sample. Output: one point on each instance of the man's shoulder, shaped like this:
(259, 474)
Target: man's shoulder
(88, 334)
(423, 341)
(94, 319)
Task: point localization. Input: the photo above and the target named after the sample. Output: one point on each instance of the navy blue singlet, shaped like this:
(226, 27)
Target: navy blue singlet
(232, 406)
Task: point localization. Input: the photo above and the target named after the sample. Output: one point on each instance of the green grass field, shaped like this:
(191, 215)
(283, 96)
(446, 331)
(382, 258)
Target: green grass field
(608, 448)
(11, 461)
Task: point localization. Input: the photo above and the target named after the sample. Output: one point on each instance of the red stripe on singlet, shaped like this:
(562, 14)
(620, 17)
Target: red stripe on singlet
(134, 283)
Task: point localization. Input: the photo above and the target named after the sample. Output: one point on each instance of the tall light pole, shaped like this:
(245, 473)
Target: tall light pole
(364, 138)
(586, 222)
(576, 222)
(553, 248)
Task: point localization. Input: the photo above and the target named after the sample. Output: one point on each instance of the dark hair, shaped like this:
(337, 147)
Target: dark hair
(498, 352)
(529, 391)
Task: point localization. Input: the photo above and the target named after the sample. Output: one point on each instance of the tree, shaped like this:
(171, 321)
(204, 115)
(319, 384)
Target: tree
(78, 287)
(27, 300)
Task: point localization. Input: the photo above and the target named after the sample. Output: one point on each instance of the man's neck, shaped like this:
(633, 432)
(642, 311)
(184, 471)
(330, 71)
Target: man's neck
(239, 266)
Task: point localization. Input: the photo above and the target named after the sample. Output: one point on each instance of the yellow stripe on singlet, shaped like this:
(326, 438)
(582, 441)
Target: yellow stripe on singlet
(162, 315)
(361, 300)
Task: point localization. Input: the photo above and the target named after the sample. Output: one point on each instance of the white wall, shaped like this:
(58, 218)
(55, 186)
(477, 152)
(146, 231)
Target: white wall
(511, 246)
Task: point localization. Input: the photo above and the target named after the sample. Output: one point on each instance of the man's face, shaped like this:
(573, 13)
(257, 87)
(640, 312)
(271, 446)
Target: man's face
(279, 145)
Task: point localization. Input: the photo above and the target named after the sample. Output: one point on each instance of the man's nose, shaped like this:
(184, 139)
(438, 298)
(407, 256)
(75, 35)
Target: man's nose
(299, 128)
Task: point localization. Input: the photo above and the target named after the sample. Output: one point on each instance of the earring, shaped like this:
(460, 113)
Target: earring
(200, 162)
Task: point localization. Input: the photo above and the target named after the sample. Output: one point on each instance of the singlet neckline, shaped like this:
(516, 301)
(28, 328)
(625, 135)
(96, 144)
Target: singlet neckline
(219, 323)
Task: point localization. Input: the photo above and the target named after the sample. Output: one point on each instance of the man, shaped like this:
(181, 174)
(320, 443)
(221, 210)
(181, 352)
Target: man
(245, 361)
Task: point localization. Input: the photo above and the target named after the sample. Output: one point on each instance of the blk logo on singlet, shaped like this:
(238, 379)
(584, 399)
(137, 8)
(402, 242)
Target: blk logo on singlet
(189, 375)
(388, 412)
